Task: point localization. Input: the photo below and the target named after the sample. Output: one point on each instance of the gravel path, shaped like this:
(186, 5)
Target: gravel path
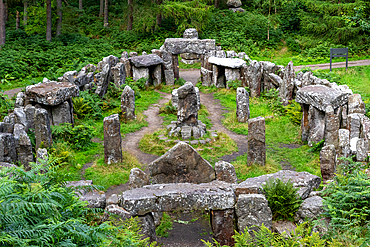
(334, 65)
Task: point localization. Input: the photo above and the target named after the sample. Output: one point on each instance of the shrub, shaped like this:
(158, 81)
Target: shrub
(294, 112)
(168, 108)
(282, 198)
(274, 101)
(79, 136)
(5, 105)
(87, 106)
(234, 84)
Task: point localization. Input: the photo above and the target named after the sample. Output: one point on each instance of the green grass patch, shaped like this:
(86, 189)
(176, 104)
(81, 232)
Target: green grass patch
(165, 226)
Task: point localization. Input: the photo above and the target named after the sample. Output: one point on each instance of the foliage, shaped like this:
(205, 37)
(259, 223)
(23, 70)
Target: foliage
(5, 105)
(262, 236)
(165, 226)
(180, 81)
(274, 101)
(282, 198)
(136, 85)
(316, 147)
(78, 136)
(168, 108)
(87, 106)
(234, 84)
(294, 112)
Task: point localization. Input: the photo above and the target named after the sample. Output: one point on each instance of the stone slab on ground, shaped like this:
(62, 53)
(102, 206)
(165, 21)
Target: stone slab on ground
(146, 60)
(181, 45)
(234, 63)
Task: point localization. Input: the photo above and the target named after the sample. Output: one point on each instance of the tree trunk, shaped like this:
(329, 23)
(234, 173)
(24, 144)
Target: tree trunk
(48, 20)
(60, 16)
(80, 4)
(217, 4)
(17, 21)
(159, 15)
(130, 20)
(25, 12)
(101, 10)
(2, 23)
(6, 11)
(106, 24)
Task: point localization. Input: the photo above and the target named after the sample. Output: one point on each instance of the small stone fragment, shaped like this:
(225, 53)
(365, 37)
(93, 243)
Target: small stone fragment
(138, 178)
(225, 172)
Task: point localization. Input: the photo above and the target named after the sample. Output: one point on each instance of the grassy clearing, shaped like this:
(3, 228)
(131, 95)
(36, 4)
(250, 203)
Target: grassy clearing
(282, 138)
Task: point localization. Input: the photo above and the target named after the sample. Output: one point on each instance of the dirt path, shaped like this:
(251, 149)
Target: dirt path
(334, 65)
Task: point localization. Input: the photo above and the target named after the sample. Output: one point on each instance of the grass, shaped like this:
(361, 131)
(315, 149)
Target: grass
(165, 226)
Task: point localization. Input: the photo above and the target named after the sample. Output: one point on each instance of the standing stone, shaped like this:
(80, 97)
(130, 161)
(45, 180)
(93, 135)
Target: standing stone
(223, 226)
(190, 33)
(287, 86)
(148, 227)
(8, 152)
(225, 172)
(42, 128)
(267, 69)
(316, 120)
(305, 127)
(331, 127)
(354, 124)
(42, 153)
(141, 72)
(128, 67)
(253, 210)
(344, 117)
(157, 75)
(187, 113)
(175, 99)
(30, 116)
(169, 75)
(207, 76)
(175, 66)
(24, 147)
(112, 139)
(128, 103)
(256, 141)
(232, 74)
(102, 81)
(137, 178)
(327, 162)
(20, 117)
(242, 105)
(119, 74)
(253, 75)
(362, 149)
(344, 145)
(355, 104)
(62, 114)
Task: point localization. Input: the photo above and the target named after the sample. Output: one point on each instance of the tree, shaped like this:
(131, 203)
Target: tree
(130, 14)
(80, 4)
(101, 10)
(2, 23)
(159, 15)
(217, 4)
(48, 20)
(60, 16)
(25, 12)
(106, 24)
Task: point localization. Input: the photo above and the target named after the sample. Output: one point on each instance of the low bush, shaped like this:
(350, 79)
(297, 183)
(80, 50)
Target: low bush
(282, 198)
(5, 105)
(87, 106)
(294, 112)
(234, 84)
(78, 136)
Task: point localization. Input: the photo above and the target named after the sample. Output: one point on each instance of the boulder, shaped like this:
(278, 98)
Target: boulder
(252, 210)
(146, 60)
(42, 128)
(181, 164)
(355, 104)
(310, 209)
(187, 113)
(284, 227)
(128, 103)
(302, 180)
(51, 92)
(112, 139)
(138, 178)
(287, 87)
(327, 162)
(216, 195)
(190, 33)
(95, 199)
(256, 141)
(180, 45)
(234, 63)
(8, 152)
(242, 105)
(234, 3)
(225, 172)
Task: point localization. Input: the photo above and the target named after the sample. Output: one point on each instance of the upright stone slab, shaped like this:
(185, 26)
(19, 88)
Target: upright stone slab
(207, 76)
(331, 127)
(181, 164)
(119, 74)
(355, 104)
(287, 86)
(62, 114)
(225, 172)
(102, 80)
(344, 146)
(175, 98)
(327, 162)
(8, 152)
(112, 139)
(362, 149)
(253, 210)
(20, 117)
(253, 75)
(354, 125)
(242, 105)
(24, 146)
(187, 113)
(30, 116)
(157, 75)
(42, 128)
(141, 72)
(128, 103)
(256, 141)
(316, 120)
(138, 178)
(223, 226)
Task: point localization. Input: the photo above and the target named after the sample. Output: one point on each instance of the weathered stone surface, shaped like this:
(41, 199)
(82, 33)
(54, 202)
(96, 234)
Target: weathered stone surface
(148, 227)
(113, 199)
(252, 77)
(6, 165)
(42, 153)
(241, 10)
(231, 54)
(119, 74)
(181, 45)
(102, 80)
(232, 74)
(139, 73)
(146, 60)
(169, 77)
(19, 101)
(302, 180)
(112, 139)
(287, 86)
(138, 178)
(275, 79)
(327, 162)
(190, 56)
(234, 63)
(207, 76)
(186, 132)
(316, 121)
(253, 210)
(187, 113)
(331, 127)
(283, 227)
(355, 104)
(242, 105)
(354, 125)
(95, 199)
(52, 92)
(42, 128)
(362, 149)
(234, 3)
(113, 209)
(6, 127)
(181, 164)
(24, 146)
(20, 117)
(190, 33)
(128, 103)
(219, 76)
(180, 196)
(69, 76)
(225, 172)
(223, 226)
(133, 54)
(175, 98)
(30, 116)
(344, 117)
(8, 152)
(321, 96)
(256, 141)
(62, 114)
(310, 209)
(128, 67)
(175, 66)
(344, 148)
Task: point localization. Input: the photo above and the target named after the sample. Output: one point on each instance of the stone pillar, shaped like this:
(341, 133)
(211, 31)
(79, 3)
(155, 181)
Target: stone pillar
(253, 209)
(287, 87)
(148, 227)
(30, 116)
(222, 222)
(331, 127)
(354, 124)
(169, 75)
(112, 139)
(8, 152)
(102, 80)
(316, 120)
(362, 149)
(327, 162)
(24, 146)
(175, 98)
(187, 113)
(343, 142)
(175, 64)
(61, 113)
(42, 128)
(20, 117)
(242, 105)
(305, 127)
(128, 103)
(157, 75)
(256, 141)
(119, 74)
(355, 104)
(253, 77)
(207, 76)
(344, 118)
(139, 73)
